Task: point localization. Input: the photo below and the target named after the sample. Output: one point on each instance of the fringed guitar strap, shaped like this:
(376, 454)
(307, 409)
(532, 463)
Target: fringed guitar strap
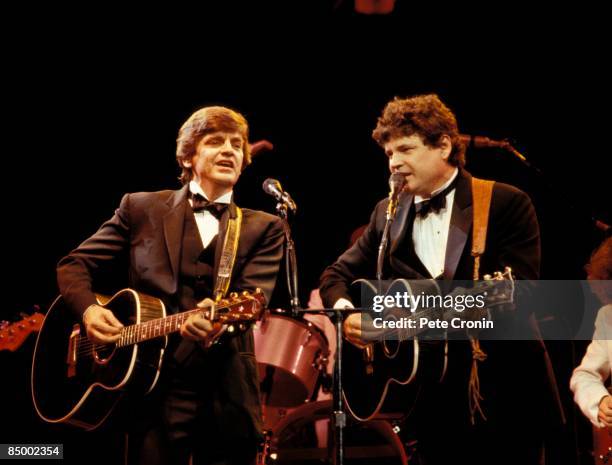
(482, 191)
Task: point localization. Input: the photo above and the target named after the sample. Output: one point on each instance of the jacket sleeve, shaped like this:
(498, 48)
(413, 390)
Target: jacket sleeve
(587, 381)
(518, 241)
(78, 272)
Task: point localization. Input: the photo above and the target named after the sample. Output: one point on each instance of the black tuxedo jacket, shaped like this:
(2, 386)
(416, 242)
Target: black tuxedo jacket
(140, 247)
(513, 239)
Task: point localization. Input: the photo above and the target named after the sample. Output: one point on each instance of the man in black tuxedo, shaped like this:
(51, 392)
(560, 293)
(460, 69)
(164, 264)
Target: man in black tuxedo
(431, 238)
(168, 244)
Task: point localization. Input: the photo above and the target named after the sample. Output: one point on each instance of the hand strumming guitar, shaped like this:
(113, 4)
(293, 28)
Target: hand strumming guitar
(101, 325)
(604, 414)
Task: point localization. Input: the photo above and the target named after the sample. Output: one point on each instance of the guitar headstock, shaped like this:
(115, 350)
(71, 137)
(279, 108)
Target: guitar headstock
(499, 287)
(13, 335)
(241, 308)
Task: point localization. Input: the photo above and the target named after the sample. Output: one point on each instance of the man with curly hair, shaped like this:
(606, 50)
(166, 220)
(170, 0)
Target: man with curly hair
(169, 244)
(431, 237)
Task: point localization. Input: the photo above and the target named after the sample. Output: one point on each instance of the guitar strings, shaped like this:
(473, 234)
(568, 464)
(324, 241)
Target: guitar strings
(86, 347)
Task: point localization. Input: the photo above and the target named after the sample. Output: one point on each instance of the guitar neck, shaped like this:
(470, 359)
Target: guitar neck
(153, 329)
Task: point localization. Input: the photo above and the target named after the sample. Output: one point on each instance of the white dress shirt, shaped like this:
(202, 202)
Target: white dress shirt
(430, 234)
(208, 225)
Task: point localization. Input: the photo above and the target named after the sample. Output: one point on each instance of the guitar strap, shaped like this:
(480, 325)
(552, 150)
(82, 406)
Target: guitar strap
(482, 191)
(228, 254)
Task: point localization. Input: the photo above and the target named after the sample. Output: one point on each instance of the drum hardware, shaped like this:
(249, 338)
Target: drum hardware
(321, 362)
(305, 435)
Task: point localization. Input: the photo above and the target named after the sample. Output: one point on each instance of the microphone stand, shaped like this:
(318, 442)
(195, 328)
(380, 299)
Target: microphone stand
(384, 241)
(338, 415)
(382, 249)
(290, 259)
(595, 222)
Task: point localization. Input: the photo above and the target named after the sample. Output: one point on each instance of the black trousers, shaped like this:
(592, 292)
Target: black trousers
(179, 421)
(514, 401)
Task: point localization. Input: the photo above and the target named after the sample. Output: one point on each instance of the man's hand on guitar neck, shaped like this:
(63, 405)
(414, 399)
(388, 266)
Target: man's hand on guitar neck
(604, 415)
(101, 325)
(198, 328)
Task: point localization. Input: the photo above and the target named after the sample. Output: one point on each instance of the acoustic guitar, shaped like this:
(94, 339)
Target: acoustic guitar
(79, 382)
(398, 356)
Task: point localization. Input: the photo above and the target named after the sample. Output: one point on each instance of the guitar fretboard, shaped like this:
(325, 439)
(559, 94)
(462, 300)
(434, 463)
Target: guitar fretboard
(152, 329)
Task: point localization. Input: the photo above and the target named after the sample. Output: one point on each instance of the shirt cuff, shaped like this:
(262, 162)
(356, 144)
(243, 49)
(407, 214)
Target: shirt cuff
(343, 303)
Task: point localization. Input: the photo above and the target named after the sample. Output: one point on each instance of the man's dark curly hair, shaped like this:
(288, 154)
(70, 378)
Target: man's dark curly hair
(202, 122)
(425, 115)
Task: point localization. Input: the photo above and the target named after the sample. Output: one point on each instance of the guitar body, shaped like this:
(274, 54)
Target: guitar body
(386, 377)
(388, 374)
(76, 382)
(602, 445)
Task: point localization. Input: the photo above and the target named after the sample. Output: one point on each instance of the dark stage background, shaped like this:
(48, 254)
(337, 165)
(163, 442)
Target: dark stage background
(92, 112)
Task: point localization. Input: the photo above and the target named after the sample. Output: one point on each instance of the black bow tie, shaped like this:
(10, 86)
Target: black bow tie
(435, 204)
(200, 203)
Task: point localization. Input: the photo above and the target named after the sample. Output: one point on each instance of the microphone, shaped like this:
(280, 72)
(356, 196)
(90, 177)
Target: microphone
(274, 188)
(482, 142)
(397, 181)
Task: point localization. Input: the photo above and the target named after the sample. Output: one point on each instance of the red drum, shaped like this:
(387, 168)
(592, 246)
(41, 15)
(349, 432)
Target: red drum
(291, 355)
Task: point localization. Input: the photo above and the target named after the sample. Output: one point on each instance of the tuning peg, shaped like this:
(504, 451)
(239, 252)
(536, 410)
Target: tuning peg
(487, 277)
(233, 295)
(231, 329)
(245, 294)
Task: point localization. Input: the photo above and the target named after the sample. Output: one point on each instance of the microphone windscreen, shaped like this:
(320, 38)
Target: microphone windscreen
(271, 185)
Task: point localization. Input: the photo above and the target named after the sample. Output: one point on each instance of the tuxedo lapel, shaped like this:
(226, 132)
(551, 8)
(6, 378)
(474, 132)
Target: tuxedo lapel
(174, 222)
(460, 225)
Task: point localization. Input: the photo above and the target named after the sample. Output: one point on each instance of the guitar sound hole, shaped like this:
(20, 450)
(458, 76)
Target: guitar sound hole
(103, 352)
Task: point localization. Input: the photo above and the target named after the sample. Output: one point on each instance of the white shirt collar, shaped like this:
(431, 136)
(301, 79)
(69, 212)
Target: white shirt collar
(195, 188)
(419, 199)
